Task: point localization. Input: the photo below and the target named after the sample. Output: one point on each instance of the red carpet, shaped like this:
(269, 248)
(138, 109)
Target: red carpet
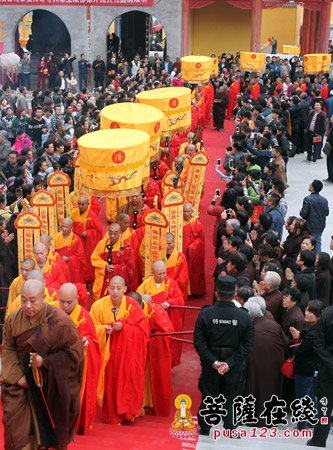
(149, 432)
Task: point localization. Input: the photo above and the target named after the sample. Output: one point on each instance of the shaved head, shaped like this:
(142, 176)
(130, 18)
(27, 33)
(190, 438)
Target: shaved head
(45, 239)
(146, 298)
(83, 199)
(114, 232)
(158, 265)
(136, 296)
(68, 297)
(26, 267)
(33, 286)
(68, 221)
(83, 203)
(118, 279)
(36, 275)
(40, 253)
(124, 221)
(29, 261)
(66, 226)
(159, 271)
(116, 290)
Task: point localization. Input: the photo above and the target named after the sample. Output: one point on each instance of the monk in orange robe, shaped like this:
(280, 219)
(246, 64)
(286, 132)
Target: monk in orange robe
(16, 303)
(123, 334)
(176, 265)
(68, 302)
(70, 248)
(135, 208)
(194, 250)
(87, 226)
(165, 291)
(233, 93)
(158, 376)
(112, 206)
(111, 258)
(53, 274)
(255, 88)
(128, 235)
(15, 288)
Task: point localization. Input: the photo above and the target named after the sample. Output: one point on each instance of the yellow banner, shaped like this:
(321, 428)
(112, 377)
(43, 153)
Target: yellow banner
(317, 62)
(252, 62)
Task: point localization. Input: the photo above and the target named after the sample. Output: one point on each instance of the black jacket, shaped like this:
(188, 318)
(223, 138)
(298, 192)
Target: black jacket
(306, 359)
(315, 210)
(323, 286)
(226, 327)
(323, 346)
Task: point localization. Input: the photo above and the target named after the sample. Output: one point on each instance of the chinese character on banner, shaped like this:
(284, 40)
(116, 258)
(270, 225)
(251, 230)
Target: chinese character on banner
(214, 410)
(303, 409)
(274, 412)
(243, 410)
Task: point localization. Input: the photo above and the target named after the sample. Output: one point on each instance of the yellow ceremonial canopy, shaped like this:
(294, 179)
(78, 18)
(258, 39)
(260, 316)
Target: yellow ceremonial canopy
(317, 62)
(174, 102)
(252, 62)
(196, 69)
(136, 116)
(113, 163)
(215, 67)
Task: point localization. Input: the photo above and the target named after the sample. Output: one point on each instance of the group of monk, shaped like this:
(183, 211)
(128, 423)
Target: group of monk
(128, 351)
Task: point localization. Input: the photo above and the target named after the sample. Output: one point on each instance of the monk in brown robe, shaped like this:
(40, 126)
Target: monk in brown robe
(263, 374)
(41, 348)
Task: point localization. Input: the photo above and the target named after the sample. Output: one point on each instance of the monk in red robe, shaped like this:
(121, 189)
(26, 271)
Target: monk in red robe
(70, 248)
(157, 170)
(194, 250)
(53, 274)
(135, 208)
(209, 98)
(53, 255)
(176, 265)
(158, 376)
(87, 226)
(233, 93)
(152, 194)
(68, 302)
(123, 334)
(111, 258)
(165, 291)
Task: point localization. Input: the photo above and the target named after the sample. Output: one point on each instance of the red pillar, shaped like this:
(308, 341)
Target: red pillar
(312, 32)
(256, 25)
(324, 22)
(185, 27)
(305, 36)
(317, 32)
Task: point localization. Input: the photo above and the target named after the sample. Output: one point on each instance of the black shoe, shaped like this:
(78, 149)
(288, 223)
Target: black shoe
(203, 432)
(320, 157)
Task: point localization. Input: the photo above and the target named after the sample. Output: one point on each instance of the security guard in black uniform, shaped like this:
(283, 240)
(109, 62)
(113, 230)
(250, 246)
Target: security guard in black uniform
(223, 339)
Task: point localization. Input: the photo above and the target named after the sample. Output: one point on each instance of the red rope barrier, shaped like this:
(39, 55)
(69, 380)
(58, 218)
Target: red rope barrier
(172, 333)
(186, 307)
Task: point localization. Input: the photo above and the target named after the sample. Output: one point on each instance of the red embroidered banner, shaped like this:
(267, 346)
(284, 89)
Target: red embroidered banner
(135, 3)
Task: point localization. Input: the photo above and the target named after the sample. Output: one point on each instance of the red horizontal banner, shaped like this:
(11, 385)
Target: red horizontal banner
(136, 3)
